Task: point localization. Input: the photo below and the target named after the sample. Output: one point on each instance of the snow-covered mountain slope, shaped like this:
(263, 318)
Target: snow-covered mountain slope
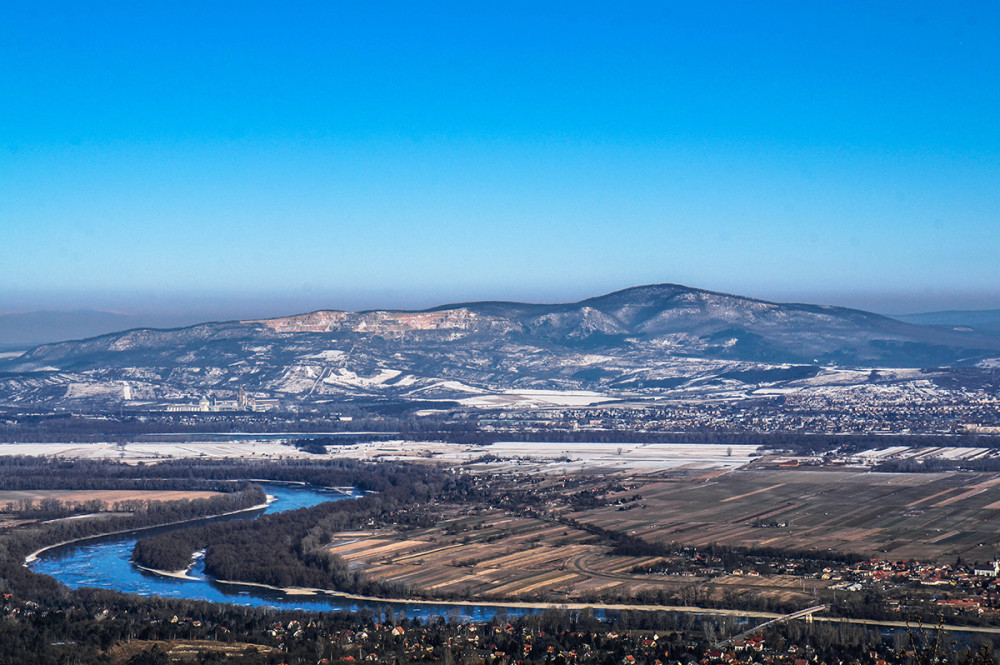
(645, 339)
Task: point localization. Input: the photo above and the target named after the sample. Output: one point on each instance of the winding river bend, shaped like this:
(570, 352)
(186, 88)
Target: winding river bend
(105, 563)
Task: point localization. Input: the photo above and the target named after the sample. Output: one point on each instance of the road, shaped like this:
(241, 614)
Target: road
(788, 617)
(687, 609)
(992, 630)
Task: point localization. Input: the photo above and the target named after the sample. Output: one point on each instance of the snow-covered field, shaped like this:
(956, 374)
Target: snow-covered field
(523, 398)
(154, 451)
(533, 456)
(877, 455)
(562, 457)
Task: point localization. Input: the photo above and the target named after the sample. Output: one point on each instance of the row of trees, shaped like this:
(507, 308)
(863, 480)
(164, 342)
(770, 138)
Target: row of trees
(19, 473)
(35, 473)
(937, 464)
(727, 556)
(377, 419)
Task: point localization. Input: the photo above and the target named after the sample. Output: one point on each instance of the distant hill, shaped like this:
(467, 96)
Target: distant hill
(643, 339)
(985, 319)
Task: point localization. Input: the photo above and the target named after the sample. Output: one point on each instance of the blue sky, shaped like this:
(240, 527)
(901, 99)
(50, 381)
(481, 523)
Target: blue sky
(262, 158)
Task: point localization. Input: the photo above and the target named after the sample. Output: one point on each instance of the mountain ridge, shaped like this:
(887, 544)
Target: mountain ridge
(641, 340)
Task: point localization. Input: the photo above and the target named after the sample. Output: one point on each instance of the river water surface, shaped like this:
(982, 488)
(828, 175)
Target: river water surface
(106, 563)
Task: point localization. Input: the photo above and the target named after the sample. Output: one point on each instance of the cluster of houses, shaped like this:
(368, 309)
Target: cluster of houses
(499, 644)
(243, 402)
(494, 644)
(978, 586)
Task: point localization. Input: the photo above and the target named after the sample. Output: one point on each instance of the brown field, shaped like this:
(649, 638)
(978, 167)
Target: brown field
(492, 554)
(10, 499)
(931, 516)
(489, 553)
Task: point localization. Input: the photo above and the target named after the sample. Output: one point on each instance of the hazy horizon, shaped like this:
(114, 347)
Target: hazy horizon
(193, 308)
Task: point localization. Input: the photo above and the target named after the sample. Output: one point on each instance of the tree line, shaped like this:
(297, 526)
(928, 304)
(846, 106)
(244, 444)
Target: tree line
(938, 464)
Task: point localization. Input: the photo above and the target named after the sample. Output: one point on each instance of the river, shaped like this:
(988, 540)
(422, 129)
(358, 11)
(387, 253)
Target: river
(106, 563)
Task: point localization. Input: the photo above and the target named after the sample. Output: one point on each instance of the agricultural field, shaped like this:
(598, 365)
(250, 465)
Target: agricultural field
(558, 553)
(533, 457)
(14, 499)
(151, 452)
(492, 554)
(925, 516)
(486, 554)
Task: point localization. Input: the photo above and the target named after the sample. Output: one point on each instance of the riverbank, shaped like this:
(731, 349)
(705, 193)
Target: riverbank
(503, 604)
(31, 558)
(610, 607)
(182, 574)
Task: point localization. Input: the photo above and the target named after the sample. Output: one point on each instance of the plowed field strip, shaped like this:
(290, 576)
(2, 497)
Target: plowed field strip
(535, 556)
(528, 584)
(438, 550)
(977, 489)
(929, 498)
(743, 496)
(384, 550)
(347, 548)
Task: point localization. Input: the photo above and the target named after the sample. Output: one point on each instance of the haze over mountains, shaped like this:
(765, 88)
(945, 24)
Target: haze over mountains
(23, 330)
(636, 342)
(982, 319)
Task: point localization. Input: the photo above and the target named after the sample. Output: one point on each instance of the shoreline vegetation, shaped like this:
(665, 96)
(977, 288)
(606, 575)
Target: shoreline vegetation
(31, 558)
(23, 545)
(290, 550)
